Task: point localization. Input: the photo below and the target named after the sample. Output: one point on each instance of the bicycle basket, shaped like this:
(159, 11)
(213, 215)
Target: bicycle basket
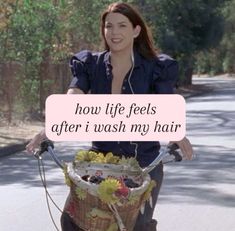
(86, 203)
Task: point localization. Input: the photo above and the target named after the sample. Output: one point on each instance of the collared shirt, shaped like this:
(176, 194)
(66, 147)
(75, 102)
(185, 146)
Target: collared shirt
(92, 72)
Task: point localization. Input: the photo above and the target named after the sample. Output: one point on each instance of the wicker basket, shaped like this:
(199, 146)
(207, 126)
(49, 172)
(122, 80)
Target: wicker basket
(82, 209)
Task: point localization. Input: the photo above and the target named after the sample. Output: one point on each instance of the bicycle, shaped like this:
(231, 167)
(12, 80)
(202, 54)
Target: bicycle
(119, 214)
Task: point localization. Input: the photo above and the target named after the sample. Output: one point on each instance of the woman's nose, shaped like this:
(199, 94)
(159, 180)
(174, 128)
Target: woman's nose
(115, 30)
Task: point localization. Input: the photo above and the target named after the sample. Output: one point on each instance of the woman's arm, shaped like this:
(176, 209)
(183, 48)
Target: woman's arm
(38, 138)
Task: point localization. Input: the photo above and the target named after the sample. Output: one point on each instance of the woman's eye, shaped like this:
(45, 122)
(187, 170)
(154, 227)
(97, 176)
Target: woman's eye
(108, 26)
(122, 25)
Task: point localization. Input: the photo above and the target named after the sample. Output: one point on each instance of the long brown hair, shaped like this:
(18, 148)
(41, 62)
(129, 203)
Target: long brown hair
(144, 42)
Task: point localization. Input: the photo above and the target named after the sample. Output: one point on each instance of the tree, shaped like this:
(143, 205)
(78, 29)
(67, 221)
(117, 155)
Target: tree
(7, 9)
(84, 23)
(228, 44)
(36, 33)
(182, 28)
(221, 58)
(32, 31)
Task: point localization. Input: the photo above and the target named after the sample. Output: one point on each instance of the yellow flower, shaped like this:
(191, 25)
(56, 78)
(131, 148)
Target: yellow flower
(106, 190)
(81, 155)
(148, 191)
(81, 193)
(111, 159)
(99, 158)
(66, 176)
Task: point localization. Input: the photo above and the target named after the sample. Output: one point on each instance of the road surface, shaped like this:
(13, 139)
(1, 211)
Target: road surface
(197, 195)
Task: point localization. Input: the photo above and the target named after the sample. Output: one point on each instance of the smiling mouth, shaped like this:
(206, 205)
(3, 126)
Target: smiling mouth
(116, 40)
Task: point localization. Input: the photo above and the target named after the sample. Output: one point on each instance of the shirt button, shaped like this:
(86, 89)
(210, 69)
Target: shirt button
(123, 88)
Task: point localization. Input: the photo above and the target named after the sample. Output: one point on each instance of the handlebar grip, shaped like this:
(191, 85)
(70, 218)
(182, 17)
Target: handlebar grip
(173, 151)
(173, 146)
(44, 147)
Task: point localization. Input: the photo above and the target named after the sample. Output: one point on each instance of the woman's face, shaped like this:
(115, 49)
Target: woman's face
(119, 32)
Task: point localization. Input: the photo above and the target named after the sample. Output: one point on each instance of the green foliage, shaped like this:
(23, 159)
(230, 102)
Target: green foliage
(33, 26)
(31, 32)
(209, 62)
(37, 32)
(85, 26)
(184, 28)
(228, 44)
(221, 59)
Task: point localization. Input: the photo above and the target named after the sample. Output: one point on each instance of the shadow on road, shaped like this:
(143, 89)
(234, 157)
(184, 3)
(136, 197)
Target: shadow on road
(23, 169)
(197, 181)
(211, 122)
(210, 177)
(204, 180)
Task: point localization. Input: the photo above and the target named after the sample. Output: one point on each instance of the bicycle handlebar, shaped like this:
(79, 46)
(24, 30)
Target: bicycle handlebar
(171, 149)
(48, 146)
(44, 147)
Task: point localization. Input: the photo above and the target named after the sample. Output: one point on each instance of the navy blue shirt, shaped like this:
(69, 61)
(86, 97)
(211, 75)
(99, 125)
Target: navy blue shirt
(92, 73)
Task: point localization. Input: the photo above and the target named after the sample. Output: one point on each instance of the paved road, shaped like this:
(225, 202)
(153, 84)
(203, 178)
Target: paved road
(22, 197)
(196, 196)
(200, 195)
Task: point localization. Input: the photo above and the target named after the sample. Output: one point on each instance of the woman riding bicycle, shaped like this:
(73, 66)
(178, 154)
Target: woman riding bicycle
(128, 65)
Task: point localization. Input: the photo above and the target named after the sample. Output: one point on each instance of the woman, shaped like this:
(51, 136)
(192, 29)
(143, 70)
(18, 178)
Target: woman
(129, 65)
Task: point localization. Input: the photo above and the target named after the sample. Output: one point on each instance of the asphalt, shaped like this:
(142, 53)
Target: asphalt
(193, 91)
(196, 195)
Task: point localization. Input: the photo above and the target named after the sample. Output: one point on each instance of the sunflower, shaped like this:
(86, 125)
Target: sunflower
(106, 190)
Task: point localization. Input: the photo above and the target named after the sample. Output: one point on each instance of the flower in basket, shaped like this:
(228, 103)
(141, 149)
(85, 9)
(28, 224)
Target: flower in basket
(106, 190)
(113, 190)
(85, 155)
(123, 191)
(100, 158)
(66, 176)
(147, 193)
(111, 159)
(81, 193)
(91, 156)
(131, 162)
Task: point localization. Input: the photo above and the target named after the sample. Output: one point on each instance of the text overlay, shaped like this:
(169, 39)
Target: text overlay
(115, 117)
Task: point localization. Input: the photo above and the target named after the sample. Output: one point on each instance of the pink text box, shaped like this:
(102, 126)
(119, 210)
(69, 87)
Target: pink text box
(115, 117)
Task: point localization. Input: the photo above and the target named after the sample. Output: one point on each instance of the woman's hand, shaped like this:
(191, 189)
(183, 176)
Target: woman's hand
(35, 142)
(185, 147)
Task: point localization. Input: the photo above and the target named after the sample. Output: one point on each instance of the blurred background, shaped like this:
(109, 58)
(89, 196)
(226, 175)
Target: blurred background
(37, 38)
